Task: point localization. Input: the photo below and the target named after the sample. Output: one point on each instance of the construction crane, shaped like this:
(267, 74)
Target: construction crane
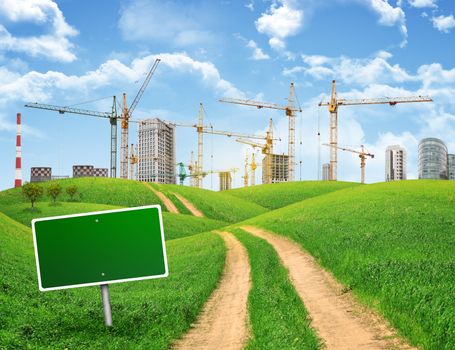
(333, 105)
(112, 116)
(202, 129)
(290, 111)
(362, 155)
(267, 150)
(133, 162)
(246, 175)
(126, 115)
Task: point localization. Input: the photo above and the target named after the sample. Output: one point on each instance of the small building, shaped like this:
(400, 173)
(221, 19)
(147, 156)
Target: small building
(325, 172)
(100, 172)
(395, 163)
(40, 174)
(451, 166)
(83, 171)
(279, 166)
(225, 180)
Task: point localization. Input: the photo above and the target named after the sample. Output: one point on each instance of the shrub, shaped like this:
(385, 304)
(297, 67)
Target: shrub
(33, 192)
(54, 190)
(72, 191)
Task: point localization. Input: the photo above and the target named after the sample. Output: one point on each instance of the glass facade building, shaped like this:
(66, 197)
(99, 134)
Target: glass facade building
(433, 159)
(451, 165)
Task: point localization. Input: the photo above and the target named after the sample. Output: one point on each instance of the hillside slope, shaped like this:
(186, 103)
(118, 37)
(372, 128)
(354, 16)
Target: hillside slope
(392, 244)
(274, 196)
(147, 314)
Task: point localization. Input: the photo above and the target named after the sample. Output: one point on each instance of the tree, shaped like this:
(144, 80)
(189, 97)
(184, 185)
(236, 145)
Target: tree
(54, 190)
(33, 192)
(72, 191)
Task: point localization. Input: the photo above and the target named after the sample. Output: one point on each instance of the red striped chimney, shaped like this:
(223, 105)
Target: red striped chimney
(18, 179)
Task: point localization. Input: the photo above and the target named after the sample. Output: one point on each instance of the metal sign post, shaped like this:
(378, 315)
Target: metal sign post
(106, 305)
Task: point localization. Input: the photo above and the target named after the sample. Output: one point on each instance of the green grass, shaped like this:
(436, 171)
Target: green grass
(125, 193)
(277, 315)
(216, 205)
(146, 314)
(392, 244)
(175, 225)
(279, 195)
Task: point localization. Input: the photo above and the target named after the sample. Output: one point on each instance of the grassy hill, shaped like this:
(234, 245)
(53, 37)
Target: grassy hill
(215, 205)
(274, 196)
(392, 244)
(119, 192)
(147, 314)
(176, 225)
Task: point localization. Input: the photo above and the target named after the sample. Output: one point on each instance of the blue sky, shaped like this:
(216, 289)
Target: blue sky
(67, 52)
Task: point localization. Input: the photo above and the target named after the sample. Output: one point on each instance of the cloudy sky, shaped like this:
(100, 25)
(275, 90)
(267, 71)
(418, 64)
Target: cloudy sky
(69, 52)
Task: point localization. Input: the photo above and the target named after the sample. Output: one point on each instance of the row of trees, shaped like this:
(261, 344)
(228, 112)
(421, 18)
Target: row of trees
(34, 191)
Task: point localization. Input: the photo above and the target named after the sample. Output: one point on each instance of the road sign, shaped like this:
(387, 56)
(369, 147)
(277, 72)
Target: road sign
(99, 248)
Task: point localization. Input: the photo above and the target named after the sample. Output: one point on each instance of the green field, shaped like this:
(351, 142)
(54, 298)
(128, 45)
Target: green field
(393, 244)
(216, 205)
(147, 314)
(277, 316)
(279, 195)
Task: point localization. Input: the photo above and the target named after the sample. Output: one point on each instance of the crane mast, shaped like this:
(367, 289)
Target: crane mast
(333, 105)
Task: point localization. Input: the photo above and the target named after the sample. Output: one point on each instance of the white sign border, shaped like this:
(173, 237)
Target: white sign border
(166, 273)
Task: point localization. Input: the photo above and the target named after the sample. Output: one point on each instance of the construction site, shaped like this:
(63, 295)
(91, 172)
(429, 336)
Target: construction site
(152, 157)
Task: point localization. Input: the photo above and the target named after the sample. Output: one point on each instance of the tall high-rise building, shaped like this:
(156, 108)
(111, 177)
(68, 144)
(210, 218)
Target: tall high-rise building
(432, 159)
(395, 163)
(325, 172)
(225, 180)
(451, 166)
(156, 150)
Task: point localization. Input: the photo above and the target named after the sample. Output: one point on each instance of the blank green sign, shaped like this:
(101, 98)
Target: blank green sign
(98, 248)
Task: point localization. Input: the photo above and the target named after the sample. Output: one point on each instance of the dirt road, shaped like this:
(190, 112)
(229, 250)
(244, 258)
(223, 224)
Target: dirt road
(339, 320)
(166, 201)
(190, 206)
(223, 323)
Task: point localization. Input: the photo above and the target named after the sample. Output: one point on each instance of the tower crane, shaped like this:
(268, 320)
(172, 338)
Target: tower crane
(126, 115)
(208, 129)
(245, 176)
(133, 162)
(362, 155)
(335, 102)
(112, 116)
(290, 111)
(267, 150)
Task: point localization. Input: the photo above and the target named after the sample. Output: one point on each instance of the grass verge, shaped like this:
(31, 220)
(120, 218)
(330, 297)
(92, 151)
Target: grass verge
(392, 244)
(277, 315)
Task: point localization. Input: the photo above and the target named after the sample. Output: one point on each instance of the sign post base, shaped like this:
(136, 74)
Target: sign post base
(106, 305)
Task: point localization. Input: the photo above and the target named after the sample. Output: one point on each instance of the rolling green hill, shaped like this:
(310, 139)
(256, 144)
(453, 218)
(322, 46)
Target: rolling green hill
(146, 314)
(125, 193)
(215, 205)
(393, 244)
(274, 196)
(176, 225)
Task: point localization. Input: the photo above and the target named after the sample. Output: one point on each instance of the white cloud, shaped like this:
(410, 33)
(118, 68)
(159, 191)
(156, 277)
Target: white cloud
(390, 16)
(258, 54)
(35, 86)
(443, 23)
(54, 45)
(280, 22)
(250, 5)
(9, 125)
(168, 21)
(423, 3)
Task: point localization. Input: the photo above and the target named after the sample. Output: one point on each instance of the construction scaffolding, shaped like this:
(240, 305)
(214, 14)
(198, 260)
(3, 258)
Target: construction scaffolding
(279, 164)
(156, 152)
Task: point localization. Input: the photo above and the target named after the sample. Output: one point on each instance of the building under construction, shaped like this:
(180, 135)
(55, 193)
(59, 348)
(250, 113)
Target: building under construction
(156, 152)
(225, 180)
(279, 165)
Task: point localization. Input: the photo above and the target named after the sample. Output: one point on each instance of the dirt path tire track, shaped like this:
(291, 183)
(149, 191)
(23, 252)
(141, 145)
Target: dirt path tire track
(339, 320)
(223, 323)
(188, 205)
(166, 201)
